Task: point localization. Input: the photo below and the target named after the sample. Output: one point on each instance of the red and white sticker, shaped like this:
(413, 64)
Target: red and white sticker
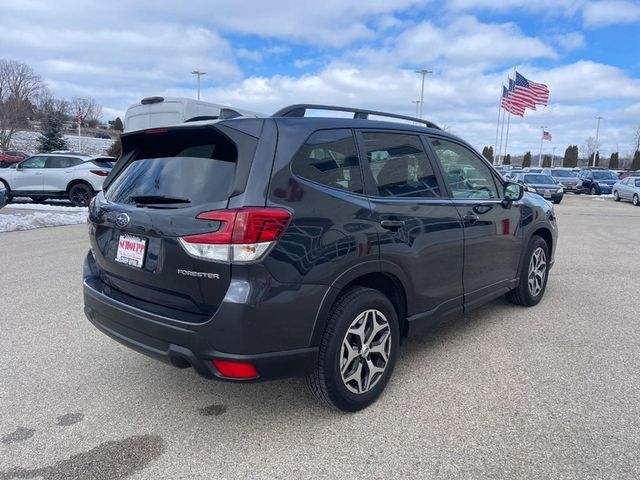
(131, 250)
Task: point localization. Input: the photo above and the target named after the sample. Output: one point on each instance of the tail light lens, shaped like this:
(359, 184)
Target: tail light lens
(100, 173)
(245, 235)
(242, 370)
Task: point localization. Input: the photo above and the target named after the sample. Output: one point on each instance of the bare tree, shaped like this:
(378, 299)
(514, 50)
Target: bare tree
(87, 111)
(636, 140)
(588, 148)
(45, 104)
(20, 86)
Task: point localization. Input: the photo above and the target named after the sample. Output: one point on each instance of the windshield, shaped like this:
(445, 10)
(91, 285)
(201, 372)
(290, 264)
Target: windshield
(605, 175)
(563, 173)
(543, 179)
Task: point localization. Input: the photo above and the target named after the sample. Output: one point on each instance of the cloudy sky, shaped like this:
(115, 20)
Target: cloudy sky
(262, 55)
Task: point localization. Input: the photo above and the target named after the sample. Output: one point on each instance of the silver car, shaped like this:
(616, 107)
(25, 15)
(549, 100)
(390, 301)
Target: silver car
(627, 189)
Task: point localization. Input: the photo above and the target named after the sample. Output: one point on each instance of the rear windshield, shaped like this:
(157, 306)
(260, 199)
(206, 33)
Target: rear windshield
(542, 179)
(194, 166)
(103, 162)
(563, 173)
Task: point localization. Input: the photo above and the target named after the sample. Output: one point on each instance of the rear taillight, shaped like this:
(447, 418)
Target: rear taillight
(100, 173)
(245, 235)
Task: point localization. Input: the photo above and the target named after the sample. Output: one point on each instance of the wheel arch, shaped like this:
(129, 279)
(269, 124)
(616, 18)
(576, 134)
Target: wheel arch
(386, 282)
(77, 181)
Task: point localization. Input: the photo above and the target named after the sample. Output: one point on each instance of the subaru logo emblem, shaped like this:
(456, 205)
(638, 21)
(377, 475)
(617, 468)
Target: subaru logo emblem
(122, 220)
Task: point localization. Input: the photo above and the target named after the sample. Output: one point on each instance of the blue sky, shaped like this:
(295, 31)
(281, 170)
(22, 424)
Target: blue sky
(264, 55)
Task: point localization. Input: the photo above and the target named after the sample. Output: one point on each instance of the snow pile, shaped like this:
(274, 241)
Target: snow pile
(41, 206)
(26, 141)
(10, 222)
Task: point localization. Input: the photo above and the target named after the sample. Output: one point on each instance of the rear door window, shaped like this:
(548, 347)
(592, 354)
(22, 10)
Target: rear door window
(192, 166)
(399, 165)
(329, 157)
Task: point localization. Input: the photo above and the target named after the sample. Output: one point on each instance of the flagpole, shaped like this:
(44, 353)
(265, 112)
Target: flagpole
(495, 145)
(540, 154)
(504, 113)
(506, 140)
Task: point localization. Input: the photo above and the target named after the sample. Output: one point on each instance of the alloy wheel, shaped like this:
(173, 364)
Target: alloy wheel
(537, 271)
(365, 351)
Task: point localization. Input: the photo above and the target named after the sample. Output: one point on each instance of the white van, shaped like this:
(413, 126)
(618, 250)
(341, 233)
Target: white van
(153, 112)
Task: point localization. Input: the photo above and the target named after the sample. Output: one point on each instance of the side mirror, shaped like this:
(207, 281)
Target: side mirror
(512, 193)
(19, 166)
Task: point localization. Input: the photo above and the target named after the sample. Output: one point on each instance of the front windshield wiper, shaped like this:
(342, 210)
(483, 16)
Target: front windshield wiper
(157, 199)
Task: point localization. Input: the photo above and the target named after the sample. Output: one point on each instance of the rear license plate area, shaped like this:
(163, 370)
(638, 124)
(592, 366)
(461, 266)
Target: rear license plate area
(131, 250)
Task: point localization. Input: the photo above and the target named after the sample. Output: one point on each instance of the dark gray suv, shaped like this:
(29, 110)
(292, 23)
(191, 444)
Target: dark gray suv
(260, 248)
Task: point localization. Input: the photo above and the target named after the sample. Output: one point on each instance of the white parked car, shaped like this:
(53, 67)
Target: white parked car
(57, 175)
(627, 189)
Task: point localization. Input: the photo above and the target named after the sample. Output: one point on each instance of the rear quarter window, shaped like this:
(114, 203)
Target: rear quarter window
(329, 157)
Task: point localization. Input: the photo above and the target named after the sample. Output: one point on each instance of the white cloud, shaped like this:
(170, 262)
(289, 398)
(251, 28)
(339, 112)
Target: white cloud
(611, 12)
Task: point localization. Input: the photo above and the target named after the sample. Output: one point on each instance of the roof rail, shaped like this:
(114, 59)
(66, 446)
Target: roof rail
(300, 109)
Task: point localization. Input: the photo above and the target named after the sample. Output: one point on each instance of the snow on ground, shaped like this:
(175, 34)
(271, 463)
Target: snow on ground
(10, 222)
(27, 141)
(41, 206)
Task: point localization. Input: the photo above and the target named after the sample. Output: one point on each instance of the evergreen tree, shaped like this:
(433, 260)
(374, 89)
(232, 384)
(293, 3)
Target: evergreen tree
(51, 137)
(526, 160)
(507, 159)
(566, 160)
(115, 150)
(116, 124)
(490, 153)
(574, 157)
(635, 163)
(614, 161)
(546, 161)
(484, 152)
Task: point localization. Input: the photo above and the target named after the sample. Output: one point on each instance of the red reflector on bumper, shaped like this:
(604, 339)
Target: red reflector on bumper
(230, 369)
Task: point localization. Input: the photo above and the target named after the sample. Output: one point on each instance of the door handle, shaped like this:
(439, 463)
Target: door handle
(392, 224)
(470, 218)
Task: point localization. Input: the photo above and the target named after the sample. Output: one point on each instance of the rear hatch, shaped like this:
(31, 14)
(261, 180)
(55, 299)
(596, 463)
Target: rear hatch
(164, 180)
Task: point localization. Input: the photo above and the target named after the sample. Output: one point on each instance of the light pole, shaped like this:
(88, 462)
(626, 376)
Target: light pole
(199, 74)
(417, 102)
(597, 145)
(541, 139)
(553, 156)
(422, 72)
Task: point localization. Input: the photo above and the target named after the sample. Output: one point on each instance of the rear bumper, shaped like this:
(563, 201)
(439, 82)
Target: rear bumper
(184, 344)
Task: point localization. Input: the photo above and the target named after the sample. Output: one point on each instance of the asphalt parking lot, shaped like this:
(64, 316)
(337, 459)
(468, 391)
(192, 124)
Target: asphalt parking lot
(505, 392)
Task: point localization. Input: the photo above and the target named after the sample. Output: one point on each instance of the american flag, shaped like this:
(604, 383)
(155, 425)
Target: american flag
(546, 135)
(535, 93)
(523, 101)
(507, 103)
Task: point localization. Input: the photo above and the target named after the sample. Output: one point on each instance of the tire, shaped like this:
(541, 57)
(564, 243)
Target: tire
(38, 199)
(557, 202)
(616, 196)
(523, 294)
(6, 187)
(593, 191)
(636, 200)
(351, 318)
(80, 194)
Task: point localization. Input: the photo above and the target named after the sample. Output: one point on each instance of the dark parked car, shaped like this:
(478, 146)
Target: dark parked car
(565, 177)
(543, 185)
(260, 248)
(596, 181)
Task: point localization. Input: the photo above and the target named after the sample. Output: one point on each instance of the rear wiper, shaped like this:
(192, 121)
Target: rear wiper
(157, 199)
